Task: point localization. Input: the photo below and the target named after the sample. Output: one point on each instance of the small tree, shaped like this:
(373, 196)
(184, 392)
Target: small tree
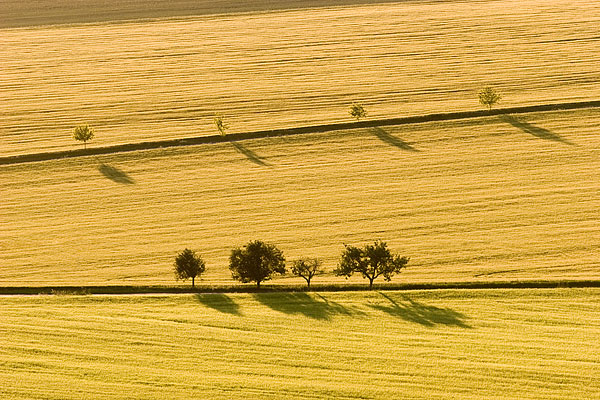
(357, 111)
(83, 133)
(221, 125)
(370, 261)
(188, 265)
(306, 268)
(488, 97)
(256, 262)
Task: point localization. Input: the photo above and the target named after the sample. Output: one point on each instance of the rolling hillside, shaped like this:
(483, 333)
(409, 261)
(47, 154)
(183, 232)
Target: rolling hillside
(504, 197)
(515, 344)
(166, 77)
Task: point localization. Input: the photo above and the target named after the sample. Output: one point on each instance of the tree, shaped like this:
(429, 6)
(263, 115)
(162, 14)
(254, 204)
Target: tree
(357, 111)
(371, 261)
(221, 125)
(83, 133)
(256, 262)
(306, 268)
(188, 265)
(488, 97)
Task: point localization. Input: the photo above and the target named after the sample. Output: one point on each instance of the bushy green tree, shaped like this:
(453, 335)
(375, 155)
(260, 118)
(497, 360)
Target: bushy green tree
(488, 97)
(357, 111)
(83, 133)
(188, 265)
(256, 262)
(306, 268)
(371, 262)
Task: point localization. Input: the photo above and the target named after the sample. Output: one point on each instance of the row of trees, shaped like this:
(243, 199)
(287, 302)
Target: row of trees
(488, 97)
(258, 261)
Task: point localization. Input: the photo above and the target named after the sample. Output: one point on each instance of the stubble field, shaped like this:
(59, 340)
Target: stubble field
(496, 198)
(515, 344)
(509, 197)
(166, 77)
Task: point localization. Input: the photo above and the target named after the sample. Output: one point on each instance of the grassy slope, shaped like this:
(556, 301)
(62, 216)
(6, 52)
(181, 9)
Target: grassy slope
(512, 344)
(480, 199)
(166, 78)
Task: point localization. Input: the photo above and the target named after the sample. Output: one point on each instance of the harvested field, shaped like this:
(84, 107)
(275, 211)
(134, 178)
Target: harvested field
(166, 77)
(497, 198)
(462, 344)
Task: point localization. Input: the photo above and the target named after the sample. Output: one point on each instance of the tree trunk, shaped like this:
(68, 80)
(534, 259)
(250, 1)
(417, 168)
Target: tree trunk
(193, 277)
(308, 283)
(258, 284)
(371, 283)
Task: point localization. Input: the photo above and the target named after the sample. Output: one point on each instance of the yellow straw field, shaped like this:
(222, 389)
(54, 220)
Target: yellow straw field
(166, 77)
(495, 198)
(492, 344)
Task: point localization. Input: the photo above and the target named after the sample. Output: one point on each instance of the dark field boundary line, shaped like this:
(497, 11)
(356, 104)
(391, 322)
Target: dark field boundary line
(140, 290)
(34, 157)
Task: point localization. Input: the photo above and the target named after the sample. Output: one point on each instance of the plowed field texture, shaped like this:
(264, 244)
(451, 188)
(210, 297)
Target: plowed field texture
(166, 67)
(490, 344)
(495, 198)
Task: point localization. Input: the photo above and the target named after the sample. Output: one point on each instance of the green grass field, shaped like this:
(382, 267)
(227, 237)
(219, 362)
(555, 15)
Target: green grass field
(513, 344)
(166, 77)
(498, 198)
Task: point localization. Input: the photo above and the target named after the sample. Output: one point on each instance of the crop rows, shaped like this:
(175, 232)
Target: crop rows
(504, 197)
(165, 78)
(515, 344)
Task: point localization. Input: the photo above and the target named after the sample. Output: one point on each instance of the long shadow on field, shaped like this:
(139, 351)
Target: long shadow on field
(305, 304)
(220, 302)
(250, 155)
(420, 313)
(384, 136)
(533, 130)
(115, 174)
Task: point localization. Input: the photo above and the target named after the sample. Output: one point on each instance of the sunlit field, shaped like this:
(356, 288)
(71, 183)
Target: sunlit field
(166, 77)
(513, 344)
(496, 198)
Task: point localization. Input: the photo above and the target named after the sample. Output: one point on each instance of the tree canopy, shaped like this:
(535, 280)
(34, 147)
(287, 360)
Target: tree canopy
(357, 111)
(188, 265)
(488, 97)
(256, 262)
(306, 268)
(371, 262)
(83, 133)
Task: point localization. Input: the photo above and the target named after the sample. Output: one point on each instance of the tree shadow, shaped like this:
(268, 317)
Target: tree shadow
(220, 302)
(533, 130)
(422, 314)
(384, 136)
(304, 304)
(250, 155)
(115, 174)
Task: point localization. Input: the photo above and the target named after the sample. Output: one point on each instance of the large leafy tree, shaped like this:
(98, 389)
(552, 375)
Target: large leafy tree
(256, 262)
(188, 265)
(371, 262)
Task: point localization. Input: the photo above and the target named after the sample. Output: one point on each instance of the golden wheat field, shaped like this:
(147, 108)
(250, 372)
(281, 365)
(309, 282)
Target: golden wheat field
(492, 344)
(160, 77)
(503, 197)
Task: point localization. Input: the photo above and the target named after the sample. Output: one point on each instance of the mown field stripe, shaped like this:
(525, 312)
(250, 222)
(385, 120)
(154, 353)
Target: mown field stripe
(34, 157)
(161, 289)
